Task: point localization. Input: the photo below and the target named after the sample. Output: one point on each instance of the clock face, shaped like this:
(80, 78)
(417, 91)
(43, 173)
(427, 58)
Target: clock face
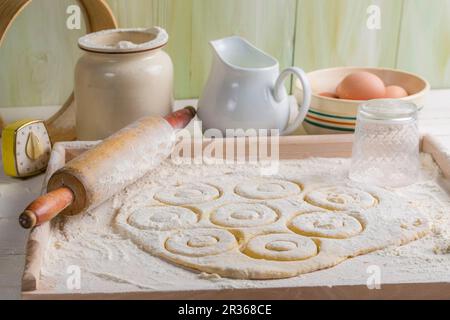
(33, 148)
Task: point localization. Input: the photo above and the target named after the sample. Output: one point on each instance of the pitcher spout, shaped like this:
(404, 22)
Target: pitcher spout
(237, 53)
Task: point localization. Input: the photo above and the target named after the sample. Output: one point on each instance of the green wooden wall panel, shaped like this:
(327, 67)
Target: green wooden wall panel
(268, 24)
(38, 55)
(425, 40)
(173, 15)
(334, 33)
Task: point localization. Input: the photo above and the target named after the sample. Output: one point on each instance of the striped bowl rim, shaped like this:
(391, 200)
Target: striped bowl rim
(330, 121)
(330, 127)
(331, 115)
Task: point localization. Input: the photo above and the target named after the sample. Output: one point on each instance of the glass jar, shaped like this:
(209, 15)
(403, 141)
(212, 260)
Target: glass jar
(386, 146)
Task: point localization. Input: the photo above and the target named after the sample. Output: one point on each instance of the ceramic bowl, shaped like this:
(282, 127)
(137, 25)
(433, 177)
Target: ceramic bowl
(329, 115)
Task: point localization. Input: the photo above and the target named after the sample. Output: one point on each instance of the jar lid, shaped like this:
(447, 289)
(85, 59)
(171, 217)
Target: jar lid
(124, 40)
(391, 110)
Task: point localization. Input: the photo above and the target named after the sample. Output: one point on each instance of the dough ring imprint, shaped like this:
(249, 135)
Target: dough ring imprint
(241, 215)
(326, 224)
(162, 218)
(281, 247)
(201, 242)
(189, 193)
(266, 189)
(340, 198)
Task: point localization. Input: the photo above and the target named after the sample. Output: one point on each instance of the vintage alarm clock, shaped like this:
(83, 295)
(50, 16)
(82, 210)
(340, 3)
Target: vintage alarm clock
(26, 148)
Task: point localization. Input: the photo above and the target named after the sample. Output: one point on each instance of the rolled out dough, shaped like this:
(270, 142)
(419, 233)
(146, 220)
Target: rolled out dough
(341, 198)
(162, 218)
(280, 227)
(243, 215)
(266, 189)
(187, 193)
(326, 224)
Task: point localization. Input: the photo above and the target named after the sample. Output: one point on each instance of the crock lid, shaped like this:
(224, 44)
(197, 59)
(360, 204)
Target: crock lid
(124, 40)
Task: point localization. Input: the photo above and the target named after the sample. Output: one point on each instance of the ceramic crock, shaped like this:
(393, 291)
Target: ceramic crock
(123, 75)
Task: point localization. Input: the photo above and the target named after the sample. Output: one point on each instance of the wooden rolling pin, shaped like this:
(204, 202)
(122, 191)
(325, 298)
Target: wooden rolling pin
(103, 171)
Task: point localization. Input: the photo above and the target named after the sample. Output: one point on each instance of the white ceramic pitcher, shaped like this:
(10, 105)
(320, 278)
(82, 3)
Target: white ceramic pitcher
(245, 90)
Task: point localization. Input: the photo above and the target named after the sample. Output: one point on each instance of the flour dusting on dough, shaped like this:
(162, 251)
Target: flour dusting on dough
(111, 262)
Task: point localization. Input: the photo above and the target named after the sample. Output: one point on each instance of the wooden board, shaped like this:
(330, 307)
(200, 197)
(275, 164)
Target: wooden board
(290, 147)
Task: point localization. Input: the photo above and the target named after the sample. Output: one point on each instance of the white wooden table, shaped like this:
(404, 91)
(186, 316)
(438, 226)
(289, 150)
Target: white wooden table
(15, 194)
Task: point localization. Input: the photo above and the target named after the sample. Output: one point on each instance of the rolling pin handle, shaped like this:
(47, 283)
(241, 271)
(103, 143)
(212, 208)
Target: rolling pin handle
(27, 219)
(46, 207)
(181, 118)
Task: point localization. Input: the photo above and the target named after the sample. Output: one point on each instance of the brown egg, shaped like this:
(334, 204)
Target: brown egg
(329, 95)
(338, 89)
(361, 86)
(395, 92)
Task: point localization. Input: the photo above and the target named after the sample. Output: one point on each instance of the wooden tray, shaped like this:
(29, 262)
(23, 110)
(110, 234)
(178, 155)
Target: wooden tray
(291, 147)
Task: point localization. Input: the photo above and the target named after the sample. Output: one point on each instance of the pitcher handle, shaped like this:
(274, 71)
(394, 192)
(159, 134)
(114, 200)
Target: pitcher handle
(280, 95)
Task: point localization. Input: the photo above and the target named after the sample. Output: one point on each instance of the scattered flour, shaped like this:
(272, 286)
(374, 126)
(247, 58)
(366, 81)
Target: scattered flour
(110, 262)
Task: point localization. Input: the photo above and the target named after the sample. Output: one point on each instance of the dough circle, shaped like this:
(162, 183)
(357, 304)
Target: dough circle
(340, 198)
(281, 247)
(241, 215)
(266, 189)
(162, 218)
(326, 224)
(201, 242)
(188, 193)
